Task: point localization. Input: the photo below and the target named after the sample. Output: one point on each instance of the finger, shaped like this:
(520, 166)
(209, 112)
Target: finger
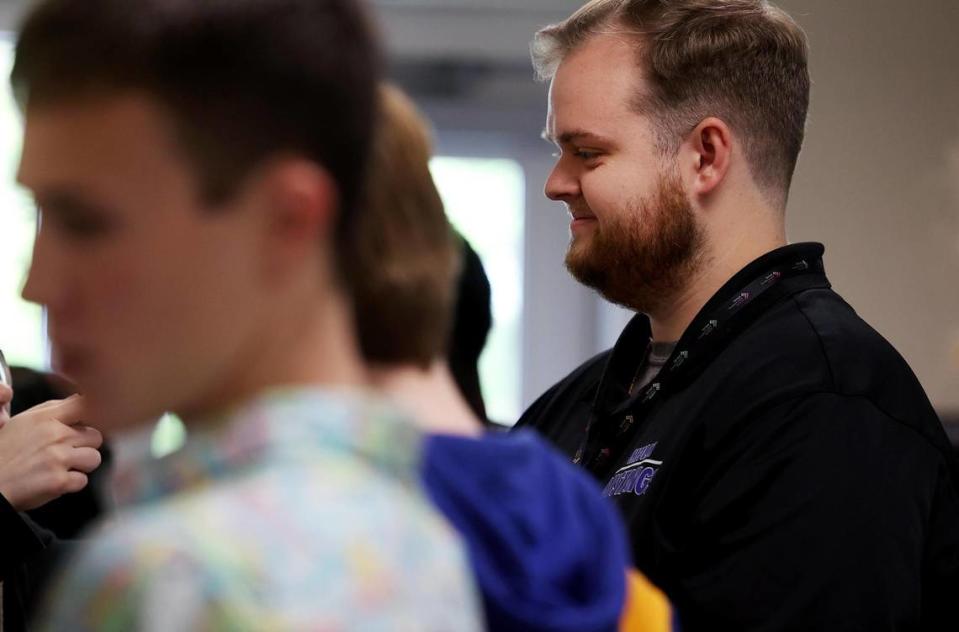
(84, 460)
(75, 481)
(6, 396)
(68, 411)
(85, 437)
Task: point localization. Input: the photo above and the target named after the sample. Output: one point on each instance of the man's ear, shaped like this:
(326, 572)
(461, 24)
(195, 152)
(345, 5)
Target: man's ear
(303, 203)
(709, 149)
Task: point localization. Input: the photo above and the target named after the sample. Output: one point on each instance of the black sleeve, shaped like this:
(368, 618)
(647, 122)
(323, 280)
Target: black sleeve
(23, 564)
(20, 539)
(29, 556)
(941, 568)
(817, 515)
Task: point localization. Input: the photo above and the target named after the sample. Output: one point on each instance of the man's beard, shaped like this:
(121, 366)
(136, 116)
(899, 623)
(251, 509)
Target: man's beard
(645, 255)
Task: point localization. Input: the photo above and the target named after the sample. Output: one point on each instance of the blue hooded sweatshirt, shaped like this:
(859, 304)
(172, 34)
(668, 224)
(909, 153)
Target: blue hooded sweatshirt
(548, 551)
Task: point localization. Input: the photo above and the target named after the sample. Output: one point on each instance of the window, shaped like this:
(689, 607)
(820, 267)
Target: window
(21, 324)
(485, 199)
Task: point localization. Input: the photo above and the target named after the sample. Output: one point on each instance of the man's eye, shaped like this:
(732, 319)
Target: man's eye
(76, 221)
(582, 154)
(85, 227)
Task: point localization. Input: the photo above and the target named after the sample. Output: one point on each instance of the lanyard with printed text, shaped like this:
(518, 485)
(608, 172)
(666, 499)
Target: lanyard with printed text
(712, 329)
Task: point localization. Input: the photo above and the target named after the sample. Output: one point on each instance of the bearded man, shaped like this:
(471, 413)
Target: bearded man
(776, 460)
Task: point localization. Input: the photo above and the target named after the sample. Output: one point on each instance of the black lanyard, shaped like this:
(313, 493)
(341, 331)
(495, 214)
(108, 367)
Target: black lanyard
(709, 332)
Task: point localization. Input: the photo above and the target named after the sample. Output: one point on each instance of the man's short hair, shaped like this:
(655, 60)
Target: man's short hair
(406, 254)
(743, 61)
(242, 80)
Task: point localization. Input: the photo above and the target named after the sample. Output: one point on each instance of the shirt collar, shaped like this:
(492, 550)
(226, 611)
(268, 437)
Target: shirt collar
(280, 425)
(630, 348)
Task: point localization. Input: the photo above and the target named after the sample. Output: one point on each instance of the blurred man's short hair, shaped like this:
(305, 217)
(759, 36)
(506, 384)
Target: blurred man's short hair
(407, 256)
(243, 82)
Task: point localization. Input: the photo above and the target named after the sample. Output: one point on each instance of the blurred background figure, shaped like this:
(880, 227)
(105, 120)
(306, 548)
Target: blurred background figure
(68, 515)
(542, 561)
(472, 321)
(47, 456)
(405, 271)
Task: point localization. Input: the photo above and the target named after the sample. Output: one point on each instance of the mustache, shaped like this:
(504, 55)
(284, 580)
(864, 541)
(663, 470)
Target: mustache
(579, 209)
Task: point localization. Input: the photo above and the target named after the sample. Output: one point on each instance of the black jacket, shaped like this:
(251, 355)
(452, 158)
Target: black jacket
(784, 472)
(29, 556)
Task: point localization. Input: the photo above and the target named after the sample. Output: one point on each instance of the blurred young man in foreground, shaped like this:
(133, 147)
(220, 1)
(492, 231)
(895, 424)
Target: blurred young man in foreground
(197, 167)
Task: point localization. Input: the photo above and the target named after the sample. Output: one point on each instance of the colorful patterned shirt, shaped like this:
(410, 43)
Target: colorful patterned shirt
(303, 510)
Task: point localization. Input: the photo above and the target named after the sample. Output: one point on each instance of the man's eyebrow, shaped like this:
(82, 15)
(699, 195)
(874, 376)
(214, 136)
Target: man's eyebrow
(575, 135)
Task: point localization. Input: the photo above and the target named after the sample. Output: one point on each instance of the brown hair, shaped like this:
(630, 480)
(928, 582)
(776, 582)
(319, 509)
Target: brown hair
(743, 61)
(406, 252)
(243, 80)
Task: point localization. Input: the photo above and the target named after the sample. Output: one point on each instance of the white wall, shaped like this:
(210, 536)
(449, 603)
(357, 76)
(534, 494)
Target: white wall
(878, 180)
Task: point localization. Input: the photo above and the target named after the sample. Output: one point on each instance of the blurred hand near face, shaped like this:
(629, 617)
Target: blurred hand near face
(45, 451)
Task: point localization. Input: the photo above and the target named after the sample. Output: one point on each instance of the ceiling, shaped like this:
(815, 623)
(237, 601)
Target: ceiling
(456, 50)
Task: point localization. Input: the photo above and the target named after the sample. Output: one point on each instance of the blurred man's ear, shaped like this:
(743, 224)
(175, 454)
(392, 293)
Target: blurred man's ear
(302, 206)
